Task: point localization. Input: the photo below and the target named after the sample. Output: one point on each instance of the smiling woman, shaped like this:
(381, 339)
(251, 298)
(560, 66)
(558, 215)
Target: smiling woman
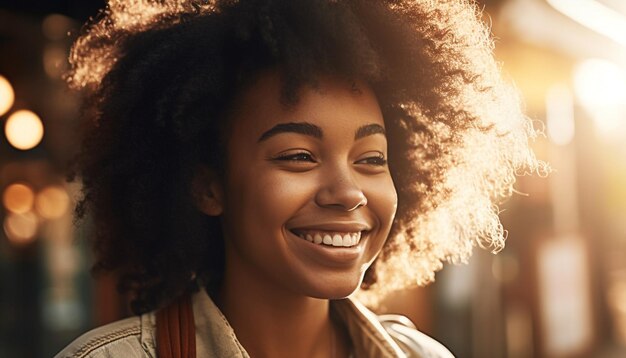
(253, 166)
(314, 173)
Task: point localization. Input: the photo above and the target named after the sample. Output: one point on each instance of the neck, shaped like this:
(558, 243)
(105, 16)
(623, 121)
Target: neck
(274, 322)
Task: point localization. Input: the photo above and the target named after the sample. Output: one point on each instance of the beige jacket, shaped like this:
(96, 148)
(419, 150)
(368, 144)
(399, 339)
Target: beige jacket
(372, 336)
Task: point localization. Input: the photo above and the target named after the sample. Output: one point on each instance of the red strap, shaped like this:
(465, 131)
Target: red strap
(176, 331)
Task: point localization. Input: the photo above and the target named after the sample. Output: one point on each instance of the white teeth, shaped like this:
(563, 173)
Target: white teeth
(332, 239)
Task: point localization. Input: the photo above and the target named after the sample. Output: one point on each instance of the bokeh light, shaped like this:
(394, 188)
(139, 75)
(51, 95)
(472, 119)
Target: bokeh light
(600, 82)
(24, 130)
(7, 96)
(600, 86)
(21, 228)
(18, 198)
(56, 27)
(52, 202)
(55, 60)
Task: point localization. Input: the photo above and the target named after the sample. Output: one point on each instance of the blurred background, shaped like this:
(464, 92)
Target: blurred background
(558, 289)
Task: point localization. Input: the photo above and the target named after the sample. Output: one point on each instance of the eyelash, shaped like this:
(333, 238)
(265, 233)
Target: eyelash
(377, 161)
(294, 157)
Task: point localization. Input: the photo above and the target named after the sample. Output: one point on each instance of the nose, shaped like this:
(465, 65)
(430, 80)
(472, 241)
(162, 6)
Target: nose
(339, 190)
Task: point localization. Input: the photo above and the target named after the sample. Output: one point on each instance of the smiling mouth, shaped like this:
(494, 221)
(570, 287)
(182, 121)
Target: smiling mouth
(330, 238)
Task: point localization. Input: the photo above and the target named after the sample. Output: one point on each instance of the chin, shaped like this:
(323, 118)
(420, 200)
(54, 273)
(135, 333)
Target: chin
(333, 295)
(335, 289)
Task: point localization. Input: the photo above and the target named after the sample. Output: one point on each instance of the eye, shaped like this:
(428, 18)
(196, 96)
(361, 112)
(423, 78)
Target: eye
(296, 157)
(375, 160)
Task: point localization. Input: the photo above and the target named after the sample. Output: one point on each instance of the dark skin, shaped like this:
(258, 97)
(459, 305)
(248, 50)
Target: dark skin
(316, 168)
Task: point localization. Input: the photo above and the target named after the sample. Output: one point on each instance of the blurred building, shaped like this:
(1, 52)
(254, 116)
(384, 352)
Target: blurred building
(557, 290)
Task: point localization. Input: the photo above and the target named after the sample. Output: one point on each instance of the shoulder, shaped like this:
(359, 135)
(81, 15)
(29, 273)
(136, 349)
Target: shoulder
(412, 341)
(131, 337)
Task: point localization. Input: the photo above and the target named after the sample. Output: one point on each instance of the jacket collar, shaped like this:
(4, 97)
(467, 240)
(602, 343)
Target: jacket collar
(216, 338)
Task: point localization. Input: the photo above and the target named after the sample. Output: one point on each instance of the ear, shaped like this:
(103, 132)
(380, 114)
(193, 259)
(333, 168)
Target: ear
(207, 191)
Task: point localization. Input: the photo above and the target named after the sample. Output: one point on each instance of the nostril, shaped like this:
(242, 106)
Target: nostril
(341, 194)
(361, 203)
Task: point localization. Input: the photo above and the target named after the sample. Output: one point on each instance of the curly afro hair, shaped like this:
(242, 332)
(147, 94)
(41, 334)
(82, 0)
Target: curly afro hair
(161, 76)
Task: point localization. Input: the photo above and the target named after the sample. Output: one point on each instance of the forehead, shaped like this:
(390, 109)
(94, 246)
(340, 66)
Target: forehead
(333, 104)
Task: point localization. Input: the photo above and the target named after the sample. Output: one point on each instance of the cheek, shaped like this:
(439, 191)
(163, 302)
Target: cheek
(256, 209)
(268, 198)
(383, 201)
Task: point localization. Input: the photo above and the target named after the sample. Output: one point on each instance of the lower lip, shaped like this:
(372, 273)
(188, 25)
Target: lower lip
(335, 256)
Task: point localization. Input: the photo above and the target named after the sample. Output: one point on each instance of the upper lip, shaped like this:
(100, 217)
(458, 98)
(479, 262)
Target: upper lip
(334, 226)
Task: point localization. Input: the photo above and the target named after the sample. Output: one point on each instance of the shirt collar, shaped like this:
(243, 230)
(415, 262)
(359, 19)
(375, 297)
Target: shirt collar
(216, 338)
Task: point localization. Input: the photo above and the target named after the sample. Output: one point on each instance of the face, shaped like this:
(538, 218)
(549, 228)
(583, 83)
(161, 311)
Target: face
(298, 175)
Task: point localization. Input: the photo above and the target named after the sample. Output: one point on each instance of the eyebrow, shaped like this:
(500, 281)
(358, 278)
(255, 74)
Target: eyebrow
(367, 130)
(316, 132)
(293, 127)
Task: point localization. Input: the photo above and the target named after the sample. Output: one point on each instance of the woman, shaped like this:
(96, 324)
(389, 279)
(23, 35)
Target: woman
(250, 164)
